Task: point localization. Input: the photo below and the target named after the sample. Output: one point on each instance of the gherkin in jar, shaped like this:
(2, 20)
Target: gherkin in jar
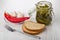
(44, 12)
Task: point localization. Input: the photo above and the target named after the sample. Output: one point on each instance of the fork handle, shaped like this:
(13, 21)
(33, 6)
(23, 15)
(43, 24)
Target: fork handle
(36, 37)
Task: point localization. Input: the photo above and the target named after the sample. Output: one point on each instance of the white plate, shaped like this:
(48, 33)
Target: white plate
(18, 26)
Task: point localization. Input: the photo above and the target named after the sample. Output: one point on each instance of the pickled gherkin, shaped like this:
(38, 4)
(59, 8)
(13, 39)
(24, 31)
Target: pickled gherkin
(43, 14)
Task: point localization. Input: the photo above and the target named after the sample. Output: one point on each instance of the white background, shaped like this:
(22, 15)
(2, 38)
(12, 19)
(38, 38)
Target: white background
(52, 32)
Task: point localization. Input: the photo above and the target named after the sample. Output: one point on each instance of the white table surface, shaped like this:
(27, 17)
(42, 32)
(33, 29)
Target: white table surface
(51, 33)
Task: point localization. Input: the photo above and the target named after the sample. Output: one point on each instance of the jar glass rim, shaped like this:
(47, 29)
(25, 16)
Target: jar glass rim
(46, 2)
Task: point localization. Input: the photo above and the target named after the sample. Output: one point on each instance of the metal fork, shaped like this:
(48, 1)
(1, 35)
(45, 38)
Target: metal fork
(14, 30)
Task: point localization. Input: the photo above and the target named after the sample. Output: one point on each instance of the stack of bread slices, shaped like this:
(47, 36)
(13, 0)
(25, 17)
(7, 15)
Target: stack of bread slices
(32, 27)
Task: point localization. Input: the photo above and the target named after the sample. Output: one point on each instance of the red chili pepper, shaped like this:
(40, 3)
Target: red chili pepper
(15, 20)
(9, 15)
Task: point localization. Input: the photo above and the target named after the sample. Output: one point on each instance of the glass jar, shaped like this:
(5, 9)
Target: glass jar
(44, 12)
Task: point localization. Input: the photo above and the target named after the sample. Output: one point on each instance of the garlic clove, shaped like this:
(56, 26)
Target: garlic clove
(13, 14)
(19, 14)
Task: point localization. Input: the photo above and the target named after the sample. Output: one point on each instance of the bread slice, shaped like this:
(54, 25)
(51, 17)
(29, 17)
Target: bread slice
(29, 32)
(33, 26)
(26, 27)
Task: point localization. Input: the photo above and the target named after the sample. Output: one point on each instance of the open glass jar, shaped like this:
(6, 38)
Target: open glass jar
(44, 12)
